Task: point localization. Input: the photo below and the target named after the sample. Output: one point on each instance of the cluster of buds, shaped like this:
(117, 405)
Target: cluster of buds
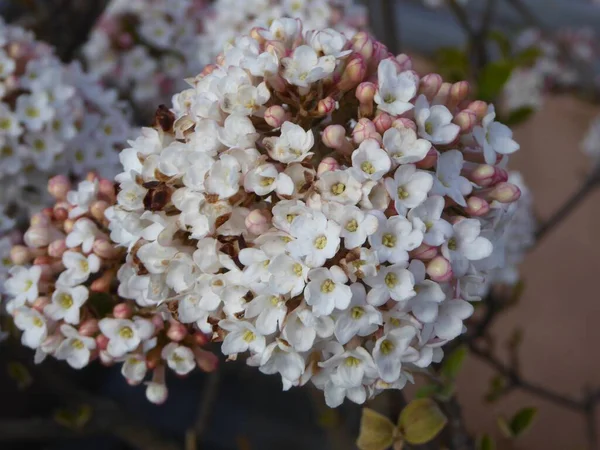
(53, 119)
(64, 296)
(226, 20)
(316, 205)
(146, 48)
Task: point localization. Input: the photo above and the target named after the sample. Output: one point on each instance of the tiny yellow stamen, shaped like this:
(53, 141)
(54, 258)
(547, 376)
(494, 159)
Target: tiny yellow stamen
(367, 167)
(126, 332)
(391, 280)
(351, 361)
(320, 242)
(387, 347)
(352, 226)
(65, 301)
(327, 286)
(389, 240)
(338, 188)
(357, 312)
(248, 336)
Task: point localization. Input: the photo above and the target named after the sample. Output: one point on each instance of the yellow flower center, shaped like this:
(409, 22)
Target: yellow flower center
(37, 322)
(126, 332)
(84, 266)
(267, 181)
(352, 226)
(389, 240)
(367, 167)
(402, 194)
(389, 98)
(39, 145)
(428, 127)
(77, 344)
(65, 301)
(391, 280)
(290, 217)
(32, 112)
(275, 300)
(338, 188)
(387, 347)
(28, 285)
(351, 361)
(452, 244)
(297, 268)
(357, 312)
(248, 336)
(327, 286)
(320, 242)
(5, 123)
(7, 150)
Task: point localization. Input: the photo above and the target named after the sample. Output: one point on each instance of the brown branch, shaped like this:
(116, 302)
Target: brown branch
(207, 404)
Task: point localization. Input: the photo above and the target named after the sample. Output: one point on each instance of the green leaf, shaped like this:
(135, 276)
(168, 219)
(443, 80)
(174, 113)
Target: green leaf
(421, 421)
(519, 116)
(486, 443)
(427, 390)
(377, 432)
(20, 374)
(528, 57)
(502, 41)
(522, 421)
(452, 64)
(492, 79)
(504, 427)
(496, 389)
(454, 362)
(75, 419)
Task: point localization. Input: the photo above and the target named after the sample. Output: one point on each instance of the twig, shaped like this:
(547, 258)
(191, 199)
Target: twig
(462, 18)
(207, 403)
(390, 26)
(526, 13)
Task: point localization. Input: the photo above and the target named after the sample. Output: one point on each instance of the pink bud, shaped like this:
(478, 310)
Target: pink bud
(91, 176)
(210, 68)
(466, 120)
(200, 339)
(479, 108)
(477, 206)
(20, 255)
(429, 161)
(459, 92)
(106, 189)
(441, 98)
(61, 214)
(123, 311)
(39, 220)
(101, 342)
(365, 129)
(327, 164)
(89, 327)
(334, 136)
(276, 47)
(326, 106)
(424, 252)
(380, 52)
(277, 83)
(258, 222)
(353, 74)
(40, 303)
(103, 283)
(68, 225)
(362, 43)
(37, 236)
(402, 122)
(57, 248)
(177, 331)
(158, 322)
(58, 187)
(383, 122)
(486, 175)
(105, 249)
(365, 92)
(156, 393)
(430, 85)
(404, 62)
(97, 209)
(275, 116)
(505, 193)
(439, 269)
(207, 361)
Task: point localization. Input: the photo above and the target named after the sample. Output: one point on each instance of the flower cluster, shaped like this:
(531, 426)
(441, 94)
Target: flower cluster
(226, 20)
(146, 48)
(53, 119)
(315, 203)
(64, 297)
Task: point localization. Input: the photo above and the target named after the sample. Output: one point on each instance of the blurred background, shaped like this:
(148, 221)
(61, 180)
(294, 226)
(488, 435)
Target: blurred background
(241, 409)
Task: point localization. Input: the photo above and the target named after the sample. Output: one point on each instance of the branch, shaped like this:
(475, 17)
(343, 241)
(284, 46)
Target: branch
(390, 26)
(526, 13)
(207, 403)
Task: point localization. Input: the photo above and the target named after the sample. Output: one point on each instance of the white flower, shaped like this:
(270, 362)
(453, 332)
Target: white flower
(134, 368)
(125, 335)
(84, 233)
(82, 198)
(33, 324)
(317, 239)
(269, 310)
(403, 146)
(356, 225)
(197, 307)
(242, 336)
(280, 357)
(449, 322)
(429, 213)
(9, 124)
(179, 358)
(238, 131)
(409, 187)
(351, 367)
(395, 282)
(359, 318)
(302, 328)
(23, 283)
(305, 67)
(327, 290)
(34, 110)
(394, 238)
(395, 90)
(429, 296)
(328, 42)
(391, 350)
(369, 161)
(435, 122)
(284, 213)
(293, 145)
(448, 181)
(79, 268)
(265, 179)
(75, 349)
(156, 257)
(224, 177)
(465, 244)
(66, 302)
(365, 265)
(340, 186)
(288, 275)
(494, 137)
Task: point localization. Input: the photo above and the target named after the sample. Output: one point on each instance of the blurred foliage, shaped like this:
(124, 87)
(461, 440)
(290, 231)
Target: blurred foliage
(20, 374)
(518, 424)
(485, 442)
(74, 418)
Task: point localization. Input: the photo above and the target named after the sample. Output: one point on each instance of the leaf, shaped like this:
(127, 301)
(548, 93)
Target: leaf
(528, 57)
(522, 421)
(377, 432)
(452, 64)
(496, 389)
(492, 79)
(75, 419)
(454, 362)
(427, 390)
(504, 427)
(502, 41)
(18, 372)
(486, 443)
(421, 421)
(518, 116)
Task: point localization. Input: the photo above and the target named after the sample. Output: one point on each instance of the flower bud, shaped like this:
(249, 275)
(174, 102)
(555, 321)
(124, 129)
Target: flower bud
(101, 342)
(58, 187)
(276, 47)
(430, 85)
(98, 208)
(327, 164)
(424, 252)
(177, 331)
(429, 161)
(156, 393)
(37, 236)
(479, 108)
(466, 120)
(68, 225)
(89, 327)
(106, 188)
(200, 339)
(486, 175)
(362, 44)
(402, 122)
(383, 122)
(158, 322)
(326, 106)
(258, 222)
(105, 249)
(477, 206)
(39, 220)
(441, 98)
(459, 92)
(40, 303)
(207, 361)
(353, 74)
(439, 269)
(20, 255)
(365, 92)
(275, 116)
(380, 52)
(57, 248)
(103, 283)
(61, 214)
(334, 136)
(505, 193)
(153, 358)
(122, 311)
(365, 129)
(404, 62)
(91, 176)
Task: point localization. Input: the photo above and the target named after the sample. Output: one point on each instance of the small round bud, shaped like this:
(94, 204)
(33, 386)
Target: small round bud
(459, 92)
(466, 120)
(365, 129)
(68, 225)
(439, 269)
(20, 255)
(479, 108)
(105, 249)
(57, 248)
(430, 159)
(123, 311)
(40, 303)
(404, 62)
(207, 361)
(443, 94)
(327, 164)
(177, 331)
(424, 252)
(477, 206)
(402, 122)
(505, 193)
(101, 342)
(275, 116)
(61, 214)
(326, 106)
(98, 208)
(383, 122)
(362, 43)
(365, 92)
(106, 189)
(89, 327)
(258, 222)
(334, 136)
(37, 236)
(103, 283)
(430, 85)
(59, 186)
(353, 74)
